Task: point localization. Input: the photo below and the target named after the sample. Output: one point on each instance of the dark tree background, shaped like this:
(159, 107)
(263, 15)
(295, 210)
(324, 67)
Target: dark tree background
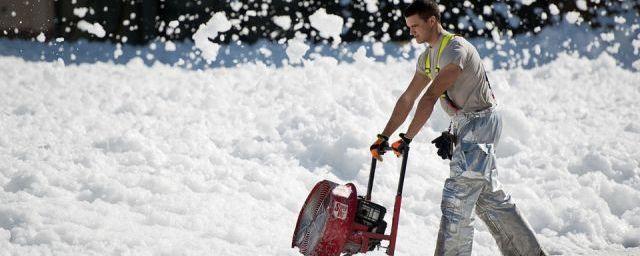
(139, 21)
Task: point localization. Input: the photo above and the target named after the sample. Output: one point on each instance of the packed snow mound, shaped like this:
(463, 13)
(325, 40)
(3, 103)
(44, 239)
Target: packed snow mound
(130, 159)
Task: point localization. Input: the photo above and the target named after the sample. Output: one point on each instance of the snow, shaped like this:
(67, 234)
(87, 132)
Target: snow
(169, 46)
(218, 23)
(118, 51)
(486, 10)
(582, 5)
(80, 11)
(636, 65)
(342, 191)
(142, 157)
(296, 48)
(95, 28)
(102, 158)
(527, 2)
(360, 56)
(619, 20)
(329, 25)
(554, 9)
(41, 37)
(572, 17)
(266, 52)
(636, 45)
(371, 6)
(282, 21)
(378, 49)
(607, 37)
(236, 5)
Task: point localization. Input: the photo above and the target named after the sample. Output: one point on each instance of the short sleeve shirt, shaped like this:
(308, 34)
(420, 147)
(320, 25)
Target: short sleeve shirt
(471, 91)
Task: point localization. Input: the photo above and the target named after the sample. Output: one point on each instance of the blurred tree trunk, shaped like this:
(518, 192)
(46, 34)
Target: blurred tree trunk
(26, 18)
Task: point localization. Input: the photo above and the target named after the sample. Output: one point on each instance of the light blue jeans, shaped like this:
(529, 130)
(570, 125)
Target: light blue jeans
(473, 184)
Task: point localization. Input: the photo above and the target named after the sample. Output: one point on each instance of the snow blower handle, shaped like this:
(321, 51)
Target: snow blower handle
(372, 172)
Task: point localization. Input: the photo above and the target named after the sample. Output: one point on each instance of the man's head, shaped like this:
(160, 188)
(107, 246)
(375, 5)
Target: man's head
(423, 19)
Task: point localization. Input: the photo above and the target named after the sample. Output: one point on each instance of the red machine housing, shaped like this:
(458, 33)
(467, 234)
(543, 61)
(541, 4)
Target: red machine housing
(324, 224)
(334, 220)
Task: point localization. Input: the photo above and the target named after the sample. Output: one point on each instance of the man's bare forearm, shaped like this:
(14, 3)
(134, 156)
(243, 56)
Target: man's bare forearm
(423, 112)
(444, 80)
(400, 113)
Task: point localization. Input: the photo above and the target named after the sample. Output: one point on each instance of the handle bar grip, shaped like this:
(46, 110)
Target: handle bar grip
(384, 149)
(372, 172)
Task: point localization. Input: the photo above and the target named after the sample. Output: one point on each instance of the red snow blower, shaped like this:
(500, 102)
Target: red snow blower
(335, 220)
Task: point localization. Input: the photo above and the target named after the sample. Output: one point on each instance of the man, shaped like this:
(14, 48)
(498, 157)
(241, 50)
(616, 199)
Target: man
(458, 79)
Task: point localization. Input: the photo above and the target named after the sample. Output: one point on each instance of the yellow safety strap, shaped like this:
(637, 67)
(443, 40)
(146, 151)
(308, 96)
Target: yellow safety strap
(443, 43)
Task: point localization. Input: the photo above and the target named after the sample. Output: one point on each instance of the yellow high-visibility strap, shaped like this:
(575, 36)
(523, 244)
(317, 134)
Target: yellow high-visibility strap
(446, 39)
(443, 43)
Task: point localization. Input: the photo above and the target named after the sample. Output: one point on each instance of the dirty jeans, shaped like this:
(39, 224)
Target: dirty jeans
(473, 184)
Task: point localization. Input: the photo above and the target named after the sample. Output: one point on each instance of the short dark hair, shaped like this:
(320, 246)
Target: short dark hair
(424, 8)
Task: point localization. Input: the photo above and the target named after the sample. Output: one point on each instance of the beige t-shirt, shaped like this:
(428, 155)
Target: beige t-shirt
(471, 91)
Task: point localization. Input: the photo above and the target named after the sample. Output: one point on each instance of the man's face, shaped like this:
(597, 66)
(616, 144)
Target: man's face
(421, 29)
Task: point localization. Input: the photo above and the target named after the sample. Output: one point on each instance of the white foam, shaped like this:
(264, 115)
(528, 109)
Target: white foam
(282, 21)
(95, 28)
(41, 37)
(378, 49)
(169, 46)
(572, 17)
(209, 31)
(80, 11)
(329, 25)
(156, 159)
(342, 191)
(296, 48)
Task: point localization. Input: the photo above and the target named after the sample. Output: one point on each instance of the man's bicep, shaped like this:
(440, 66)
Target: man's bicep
(447, 76)
(417, 85)
(456, 53)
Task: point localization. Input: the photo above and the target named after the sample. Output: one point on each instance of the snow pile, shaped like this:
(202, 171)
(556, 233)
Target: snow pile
(138, 160)
(207, 32)
(147, 158)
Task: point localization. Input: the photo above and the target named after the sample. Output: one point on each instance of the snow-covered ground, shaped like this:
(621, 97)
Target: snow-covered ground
(146, 158)
(102, 159)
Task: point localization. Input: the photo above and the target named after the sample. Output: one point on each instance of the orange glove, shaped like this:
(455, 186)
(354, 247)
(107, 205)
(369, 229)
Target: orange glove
(379, 147)
(400, 144)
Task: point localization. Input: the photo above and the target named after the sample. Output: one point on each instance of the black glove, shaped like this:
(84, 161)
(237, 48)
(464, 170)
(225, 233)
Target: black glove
(379, 147)
(445, 144)
(399, 146)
